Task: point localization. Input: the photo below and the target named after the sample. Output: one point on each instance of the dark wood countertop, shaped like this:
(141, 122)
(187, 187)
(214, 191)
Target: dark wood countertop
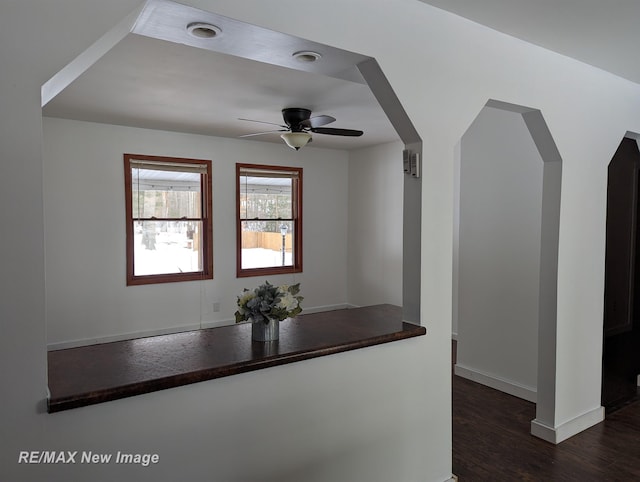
(110, 371)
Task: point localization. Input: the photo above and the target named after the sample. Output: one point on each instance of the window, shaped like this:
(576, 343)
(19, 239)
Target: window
(168, 209)
(269, 220)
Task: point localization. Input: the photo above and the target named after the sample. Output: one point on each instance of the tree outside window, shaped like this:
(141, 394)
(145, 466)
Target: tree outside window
(269, 219)
(169, 231)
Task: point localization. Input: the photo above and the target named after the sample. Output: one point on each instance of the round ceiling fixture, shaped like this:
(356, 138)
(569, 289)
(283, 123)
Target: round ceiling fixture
(203, 30)
(307, 56)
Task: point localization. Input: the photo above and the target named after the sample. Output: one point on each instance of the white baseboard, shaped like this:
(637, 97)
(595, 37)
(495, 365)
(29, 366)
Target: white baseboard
(133, 334)
(320, 309)
(562, 432)
(506, 386)
(454, 336)
(169, 330)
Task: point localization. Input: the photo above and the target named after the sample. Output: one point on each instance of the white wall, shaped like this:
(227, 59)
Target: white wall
(499, 253)
(455, 67)
(375, 225)
(448, 69)
(87, 296)
(455, 297)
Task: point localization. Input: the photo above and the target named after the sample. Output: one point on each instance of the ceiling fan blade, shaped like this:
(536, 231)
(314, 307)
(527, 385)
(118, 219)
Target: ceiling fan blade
(266, 132)
(317, 121)
(336, 132)
(263, 122)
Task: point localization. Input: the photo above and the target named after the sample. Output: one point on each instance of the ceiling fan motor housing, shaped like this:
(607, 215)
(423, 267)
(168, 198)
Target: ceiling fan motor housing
(299, 125)
(294, 116)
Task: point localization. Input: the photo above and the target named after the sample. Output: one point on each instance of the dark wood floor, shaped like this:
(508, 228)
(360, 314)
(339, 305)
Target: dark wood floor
(491, 441)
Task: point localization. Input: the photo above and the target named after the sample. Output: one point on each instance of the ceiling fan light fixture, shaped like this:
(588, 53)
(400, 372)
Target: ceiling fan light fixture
(203, 30)
(296, 140)
(306, 56)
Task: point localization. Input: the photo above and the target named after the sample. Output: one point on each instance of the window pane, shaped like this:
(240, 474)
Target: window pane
(165, 194)
(265, 246)
(265, 197)
(162, 247)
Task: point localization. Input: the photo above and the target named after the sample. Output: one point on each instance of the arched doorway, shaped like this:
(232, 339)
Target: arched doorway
(505, 252)
(621, 337)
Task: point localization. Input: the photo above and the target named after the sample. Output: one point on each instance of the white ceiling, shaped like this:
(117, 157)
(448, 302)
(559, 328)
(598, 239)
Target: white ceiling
(165, 84)
(156, 84)
(159, 77)
(602, 33)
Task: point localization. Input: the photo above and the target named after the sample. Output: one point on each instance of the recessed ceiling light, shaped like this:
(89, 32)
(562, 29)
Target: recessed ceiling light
(203, 30)
(306, 56)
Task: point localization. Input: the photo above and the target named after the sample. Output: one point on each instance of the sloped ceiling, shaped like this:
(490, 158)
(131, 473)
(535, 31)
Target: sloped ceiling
(602, 33)
(155, 83)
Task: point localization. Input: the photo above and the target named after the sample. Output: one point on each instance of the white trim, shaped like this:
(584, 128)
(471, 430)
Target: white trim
(454, 336)
(562, 432)
(323, 308)
(507, 386)
(169, 330)
(128, 336)
(86, 59)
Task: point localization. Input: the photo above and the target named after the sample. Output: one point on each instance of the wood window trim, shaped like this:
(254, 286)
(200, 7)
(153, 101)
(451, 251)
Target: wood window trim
(297, 215)
(207, 223)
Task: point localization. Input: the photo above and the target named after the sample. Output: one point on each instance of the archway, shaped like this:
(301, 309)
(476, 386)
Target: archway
(621, 336)
(165, 23)
(505, 253)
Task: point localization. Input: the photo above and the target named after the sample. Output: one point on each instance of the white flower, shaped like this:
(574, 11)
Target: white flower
(245, 297)
(267, 300)
(287, 301)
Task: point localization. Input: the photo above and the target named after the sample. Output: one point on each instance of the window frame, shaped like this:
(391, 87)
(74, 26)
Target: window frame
(296, 207)
(206, 218)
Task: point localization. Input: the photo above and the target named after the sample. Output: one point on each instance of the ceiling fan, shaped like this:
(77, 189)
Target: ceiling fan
(298, 124)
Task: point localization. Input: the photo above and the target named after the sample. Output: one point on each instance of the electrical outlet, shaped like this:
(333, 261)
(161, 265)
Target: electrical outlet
(216, 306)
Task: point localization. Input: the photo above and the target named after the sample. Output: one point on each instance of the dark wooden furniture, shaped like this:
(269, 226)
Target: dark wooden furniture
(109, 371)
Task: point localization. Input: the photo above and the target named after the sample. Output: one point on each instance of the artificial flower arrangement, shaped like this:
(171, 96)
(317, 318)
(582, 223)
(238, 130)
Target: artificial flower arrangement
(267, 302)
